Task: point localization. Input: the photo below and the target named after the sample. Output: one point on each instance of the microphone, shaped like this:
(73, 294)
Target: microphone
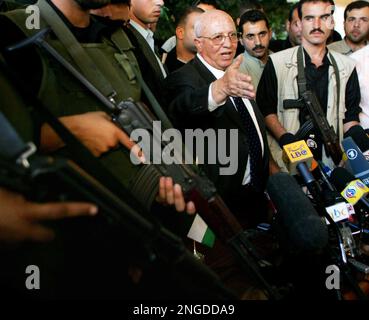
(358, 134)
(353, 190)
(336, 206)
(358, 163)
(304, 228)
(296, 156)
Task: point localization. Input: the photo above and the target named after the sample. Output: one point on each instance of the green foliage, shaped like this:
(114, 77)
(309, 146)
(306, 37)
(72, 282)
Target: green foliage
(276, 10)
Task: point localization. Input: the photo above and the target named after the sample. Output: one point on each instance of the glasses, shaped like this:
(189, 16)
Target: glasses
(218, 39)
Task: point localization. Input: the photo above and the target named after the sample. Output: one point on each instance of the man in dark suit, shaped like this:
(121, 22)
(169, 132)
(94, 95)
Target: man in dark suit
(144, 13)
(209, 92)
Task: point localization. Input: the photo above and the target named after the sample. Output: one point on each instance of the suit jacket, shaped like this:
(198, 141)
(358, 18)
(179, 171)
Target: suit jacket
(187, 93)
(149, 65)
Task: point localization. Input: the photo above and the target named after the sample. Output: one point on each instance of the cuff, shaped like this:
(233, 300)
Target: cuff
(212, 105)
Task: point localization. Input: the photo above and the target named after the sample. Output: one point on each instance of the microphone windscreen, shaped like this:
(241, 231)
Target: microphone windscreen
(305, 230)
(340, 178)
(358, 134)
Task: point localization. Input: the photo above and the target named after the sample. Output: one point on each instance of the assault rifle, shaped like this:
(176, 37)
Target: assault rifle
(43, 179)
(317, 120)
(130, 115)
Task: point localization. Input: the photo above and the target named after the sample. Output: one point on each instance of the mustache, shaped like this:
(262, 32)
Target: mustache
(258, 47)
(317, 29)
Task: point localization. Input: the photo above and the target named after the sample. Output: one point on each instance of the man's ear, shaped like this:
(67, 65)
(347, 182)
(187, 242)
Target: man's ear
(288, 25)
(198, 44)
(270, 33)
(299, 23)
(180, 33)
(238, 21)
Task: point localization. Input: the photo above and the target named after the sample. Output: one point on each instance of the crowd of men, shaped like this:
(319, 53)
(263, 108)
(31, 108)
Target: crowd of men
(217, 73)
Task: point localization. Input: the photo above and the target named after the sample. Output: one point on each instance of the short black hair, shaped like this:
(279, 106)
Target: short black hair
(128, 2)
(252, 16)
(248, 5)
(210, 2)
(299, 5)
(355, 5)
(290, 13)
(183, 18)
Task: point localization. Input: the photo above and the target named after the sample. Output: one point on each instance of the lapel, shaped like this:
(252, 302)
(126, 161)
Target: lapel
(229, 109)
(147, 52)
(260, 120)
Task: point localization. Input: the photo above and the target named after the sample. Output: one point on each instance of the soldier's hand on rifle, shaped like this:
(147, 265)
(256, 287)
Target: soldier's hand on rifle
(233, 84)
(94, 129)
(20, 219)
(172, 195)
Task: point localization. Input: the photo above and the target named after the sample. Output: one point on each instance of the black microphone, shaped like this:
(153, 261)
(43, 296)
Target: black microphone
(341, 178)
(358, 134)
(305, 230)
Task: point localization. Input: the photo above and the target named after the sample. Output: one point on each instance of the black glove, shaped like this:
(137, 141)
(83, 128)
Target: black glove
(286, 138)
(358, 134)
(354, 131)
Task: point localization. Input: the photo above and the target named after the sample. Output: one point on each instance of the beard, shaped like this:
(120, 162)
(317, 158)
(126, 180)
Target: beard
(92, 4)
(356, 39)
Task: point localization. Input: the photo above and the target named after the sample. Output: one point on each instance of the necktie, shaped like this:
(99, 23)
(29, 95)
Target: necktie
(255, 153)
(150, 40)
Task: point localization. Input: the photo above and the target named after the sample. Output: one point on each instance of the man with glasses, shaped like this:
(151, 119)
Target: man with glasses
(356, 25)
(255, 34)
(210, 92)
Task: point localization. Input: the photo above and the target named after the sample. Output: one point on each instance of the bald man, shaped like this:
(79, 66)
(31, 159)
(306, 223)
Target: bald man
(210, 92)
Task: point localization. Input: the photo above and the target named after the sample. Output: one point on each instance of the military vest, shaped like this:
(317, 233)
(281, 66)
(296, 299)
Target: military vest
(285, 64)
(66, 96)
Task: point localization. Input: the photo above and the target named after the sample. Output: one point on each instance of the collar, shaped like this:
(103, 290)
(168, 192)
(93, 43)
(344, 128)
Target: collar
(144, 32)
(216, 72)
(345, 47)
(256, 60)
(326, 61)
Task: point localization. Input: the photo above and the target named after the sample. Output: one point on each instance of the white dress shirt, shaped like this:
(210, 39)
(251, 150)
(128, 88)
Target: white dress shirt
(212, 105)
(149, 37)
(362, 67)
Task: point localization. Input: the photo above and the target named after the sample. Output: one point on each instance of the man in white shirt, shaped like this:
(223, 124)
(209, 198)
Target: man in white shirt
(362, 67)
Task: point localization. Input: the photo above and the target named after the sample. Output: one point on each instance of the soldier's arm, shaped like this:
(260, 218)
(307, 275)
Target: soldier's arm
(94, 129)
(20, 219)
(274, 126)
